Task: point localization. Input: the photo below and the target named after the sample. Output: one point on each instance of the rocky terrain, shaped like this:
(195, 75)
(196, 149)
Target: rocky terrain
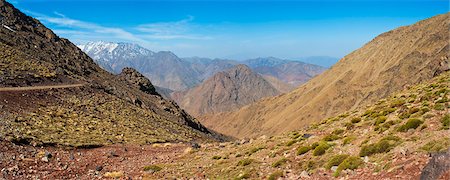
(389, 63)
(404, 136)
(226, 91)
(54, 94)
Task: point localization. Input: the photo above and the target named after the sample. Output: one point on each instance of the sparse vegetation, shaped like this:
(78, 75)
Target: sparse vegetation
(321, 149)
(410, 124)
(303, 149)
(382, 146)
(279, 163)
(336, 160)
(436, 145)
(351, 162)
(153, 168)
(275, 175)
(245, 162)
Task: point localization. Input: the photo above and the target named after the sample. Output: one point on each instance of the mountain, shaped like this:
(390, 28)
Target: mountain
(168, 71)
(389, 63)
(324, 61)
(291, 72)
(54, 94)
(164, 68)
(226, 91)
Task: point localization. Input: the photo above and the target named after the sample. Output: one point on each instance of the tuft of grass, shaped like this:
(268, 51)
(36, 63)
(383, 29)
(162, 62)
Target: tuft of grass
(382, 146)
(380, 120)
(446, 122)
(351, 162)
(348, 139)
(303, 149)
(321, 149)
(338, 131)
(291, 142)
(336, 160)
(279, 163)
(153, 168)
(410, 124)
(436, 145)
(254, 150)
(275, 175)
(245, 162)
(355, 120)
(331, 137)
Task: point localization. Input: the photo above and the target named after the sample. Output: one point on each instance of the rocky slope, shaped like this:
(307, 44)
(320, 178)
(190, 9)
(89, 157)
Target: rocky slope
(404, 136)
(226, 91)
(101, 109)
(388, 63)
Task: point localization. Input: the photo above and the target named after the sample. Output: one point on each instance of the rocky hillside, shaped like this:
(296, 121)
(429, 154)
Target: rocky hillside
(226, 91)
(54, 94)
(390, 62)
(164, 68)
(404, 136)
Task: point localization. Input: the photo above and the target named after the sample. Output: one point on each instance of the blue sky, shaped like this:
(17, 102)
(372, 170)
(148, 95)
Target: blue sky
(232, 29)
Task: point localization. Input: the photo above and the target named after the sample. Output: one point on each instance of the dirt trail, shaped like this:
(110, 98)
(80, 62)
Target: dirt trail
(30, 88)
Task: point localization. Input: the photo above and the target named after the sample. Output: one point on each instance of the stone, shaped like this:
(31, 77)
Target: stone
(334, 168)
(304, 174)
(45, 159)
(99, 168)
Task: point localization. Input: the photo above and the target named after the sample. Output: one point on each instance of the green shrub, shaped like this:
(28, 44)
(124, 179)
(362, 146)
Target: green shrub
(308, 165)
(351, 162)
(338, 131)
(321, 149)
(153, 168)
(303, 149)
(279, 162)
(336, 160)
(388, 124)
(331, 137)
(245, 162)
(355, 120)
(254, 150)
(446, 122)
(382, 146)
(439, 107)
(436, 146)
(291, 142)
(410, 124)
(348, 139)
(398, 103)
(380, 120)
(275, 175)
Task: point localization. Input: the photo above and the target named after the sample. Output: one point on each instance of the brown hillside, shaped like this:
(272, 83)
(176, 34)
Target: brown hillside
(388, 63)
(100, 109)
(226, 91)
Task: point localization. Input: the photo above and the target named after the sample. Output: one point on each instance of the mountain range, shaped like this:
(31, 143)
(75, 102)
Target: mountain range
(167, 70)
(392, 61)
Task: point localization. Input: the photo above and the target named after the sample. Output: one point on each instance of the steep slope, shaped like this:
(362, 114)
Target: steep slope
(388, 63)
(226, 91)
(278, 84)
(163, 68)
(71, 101)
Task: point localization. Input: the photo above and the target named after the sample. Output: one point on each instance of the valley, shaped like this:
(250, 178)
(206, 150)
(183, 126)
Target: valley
(118, 110)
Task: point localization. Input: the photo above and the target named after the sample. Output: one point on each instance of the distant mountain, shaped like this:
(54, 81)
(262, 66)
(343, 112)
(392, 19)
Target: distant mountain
(166, 70)
(291, 72)
(389, 63)
(226, 91)
(324, 61)
(163, 68)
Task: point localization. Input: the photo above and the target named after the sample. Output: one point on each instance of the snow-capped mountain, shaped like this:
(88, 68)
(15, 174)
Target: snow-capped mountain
(163, 68)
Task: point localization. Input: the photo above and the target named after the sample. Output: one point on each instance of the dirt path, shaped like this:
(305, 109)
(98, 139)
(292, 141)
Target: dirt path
(30, 88)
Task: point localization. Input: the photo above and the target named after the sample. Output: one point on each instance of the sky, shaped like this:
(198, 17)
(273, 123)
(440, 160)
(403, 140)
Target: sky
(232, 29)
